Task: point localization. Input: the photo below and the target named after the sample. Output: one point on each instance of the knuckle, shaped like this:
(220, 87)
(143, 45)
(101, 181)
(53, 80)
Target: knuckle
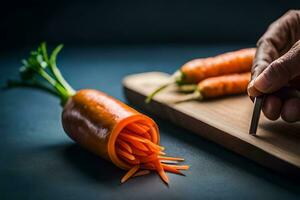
(277, 69)
(292, 12)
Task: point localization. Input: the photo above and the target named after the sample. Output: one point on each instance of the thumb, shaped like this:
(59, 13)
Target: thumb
(280, 71)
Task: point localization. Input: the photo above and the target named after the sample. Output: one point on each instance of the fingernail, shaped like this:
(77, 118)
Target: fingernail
(251, 90)
(262, 84)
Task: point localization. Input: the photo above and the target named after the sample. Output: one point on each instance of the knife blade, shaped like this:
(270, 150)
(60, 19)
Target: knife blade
(258, 101)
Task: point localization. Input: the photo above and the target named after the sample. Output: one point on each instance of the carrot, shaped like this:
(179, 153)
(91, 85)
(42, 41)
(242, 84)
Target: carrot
(228, 63)
(181, 167)
(171, 169)
(130, 173)
(170, 158)
(96, 121)
(161, 171)
(136, 128)
(200, 69)
(125, 154)
(138, 152)
(219, 86)
(124, 145)
(141, 173)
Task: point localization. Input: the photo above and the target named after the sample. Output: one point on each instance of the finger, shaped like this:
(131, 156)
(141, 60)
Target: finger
(272, 107)
(291, 110)
(272, 43)
(280, 71)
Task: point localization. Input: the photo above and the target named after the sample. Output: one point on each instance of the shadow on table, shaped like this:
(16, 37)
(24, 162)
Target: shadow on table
(87, 163)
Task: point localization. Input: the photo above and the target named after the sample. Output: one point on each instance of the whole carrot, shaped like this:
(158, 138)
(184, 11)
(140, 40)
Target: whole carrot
(219, 86)
(199, 69)
(96, 121)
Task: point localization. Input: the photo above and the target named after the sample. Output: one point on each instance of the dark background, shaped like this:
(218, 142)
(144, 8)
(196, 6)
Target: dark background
(87, 22)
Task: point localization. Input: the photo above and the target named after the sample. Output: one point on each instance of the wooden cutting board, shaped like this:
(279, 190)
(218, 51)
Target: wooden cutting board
(225, 121)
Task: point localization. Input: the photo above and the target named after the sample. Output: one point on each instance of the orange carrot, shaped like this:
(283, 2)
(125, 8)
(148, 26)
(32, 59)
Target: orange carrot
(171, 169)
(181, 167)
(124, 145)
(161, 171)
(136, 128)
(170, 158)
(125, 154)
(228, 63)
(144, 153)
(220, 86)
(130, 173)
(141, 173)
(200, 69)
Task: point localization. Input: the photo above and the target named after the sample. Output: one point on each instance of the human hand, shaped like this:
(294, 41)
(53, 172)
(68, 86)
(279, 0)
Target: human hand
(277, 65)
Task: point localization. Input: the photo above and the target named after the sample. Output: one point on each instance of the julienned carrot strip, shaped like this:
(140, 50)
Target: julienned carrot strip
(125, 154)
(161, 171)
(136, 128)
(170, 158)
(147, 135)
(147, 128)
(181, 167)
(138, 152)
(131, 162)
(130, 173)
(169, 162)
(133, 137)
(162, 153)
(135, 143)
(154, 146)
(124, 145)
(171, 169)
(150, 158)
(141, 173)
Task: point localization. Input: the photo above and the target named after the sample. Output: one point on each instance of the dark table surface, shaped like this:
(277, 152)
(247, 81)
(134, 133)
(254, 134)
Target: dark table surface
(38, 161)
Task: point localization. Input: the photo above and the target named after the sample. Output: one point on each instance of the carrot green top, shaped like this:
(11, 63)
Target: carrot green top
(40, 71)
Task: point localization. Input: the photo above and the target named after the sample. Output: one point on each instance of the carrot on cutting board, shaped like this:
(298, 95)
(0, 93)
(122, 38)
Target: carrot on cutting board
(219, 86)
(96, 121)
(199, 69)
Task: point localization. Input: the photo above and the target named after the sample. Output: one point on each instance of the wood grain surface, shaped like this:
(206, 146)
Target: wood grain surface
(225, 121)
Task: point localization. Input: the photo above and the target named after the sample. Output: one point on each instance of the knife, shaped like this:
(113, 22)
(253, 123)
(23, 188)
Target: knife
(258, 101)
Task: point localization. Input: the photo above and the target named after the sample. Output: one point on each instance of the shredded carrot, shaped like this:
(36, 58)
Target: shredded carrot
(141, 173)
(154, 146)
(170, 158)
(125, 154)
(134, 146)
(138, 152)
(136, 128)
(147, 128)
(132, 137)
(181, 167)
(130, 173)
(124, 145)
(147, 135)
(135, 143)
(171, 169)
(161, 171)
(131, 162)
(152, 157)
